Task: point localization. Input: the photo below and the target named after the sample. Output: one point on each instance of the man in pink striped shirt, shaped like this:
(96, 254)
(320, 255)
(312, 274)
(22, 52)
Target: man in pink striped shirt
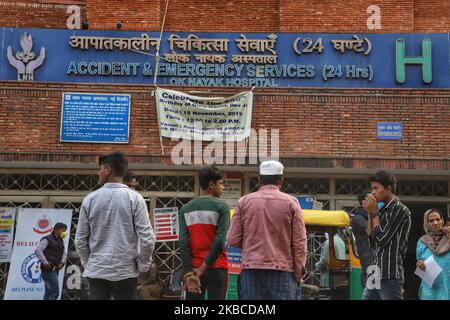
(268, 226)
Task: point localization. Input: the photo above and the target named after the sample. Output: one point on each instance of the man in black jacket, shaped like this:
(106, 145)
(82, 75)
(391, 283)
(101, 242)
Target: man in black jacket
(52, 256)
(359, 228)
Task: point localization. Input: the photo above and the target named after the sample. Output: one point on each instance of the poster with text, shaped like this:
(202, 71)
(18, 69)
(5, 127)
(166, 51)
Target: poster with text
(166, 224)
(24, 278)
(232, 191)
(207, 119)
(7, 218)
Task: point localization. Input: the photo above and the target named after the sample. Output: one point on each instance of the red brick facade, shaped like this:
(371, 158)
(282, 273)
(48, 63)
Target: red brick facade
(234, 16)
(314, 123)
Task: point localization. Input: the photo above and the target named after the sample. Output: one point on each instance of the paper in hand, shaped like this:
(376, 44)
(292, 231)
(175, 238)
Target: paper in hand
(432, 270)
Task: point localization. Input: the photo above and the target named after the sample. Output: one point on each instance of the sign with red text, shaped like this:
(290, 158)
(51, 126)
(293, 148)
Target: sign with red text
(166, 224)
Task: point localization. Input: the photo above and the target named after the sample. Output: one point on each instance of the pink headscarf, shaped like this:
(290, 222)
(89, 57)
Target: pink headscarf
(436, 240)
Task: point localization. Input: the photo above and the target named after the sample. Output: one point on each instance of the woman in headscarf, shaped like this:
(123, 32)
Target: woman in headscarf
(435, 242)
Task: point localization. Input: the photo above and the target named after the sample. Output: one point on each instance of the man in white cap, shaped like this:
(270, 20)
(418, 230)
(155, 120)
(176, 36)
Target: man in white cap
(268, 226)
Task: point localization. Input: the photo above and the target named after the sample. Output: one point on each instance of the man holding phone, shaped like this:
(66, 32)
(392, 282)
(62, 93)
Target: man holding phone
(388, 230)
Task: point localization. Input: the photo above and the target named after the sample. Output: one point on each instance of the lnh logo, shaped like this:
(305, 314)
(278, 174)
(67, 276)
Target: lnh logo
(25, 61)
(402, 60)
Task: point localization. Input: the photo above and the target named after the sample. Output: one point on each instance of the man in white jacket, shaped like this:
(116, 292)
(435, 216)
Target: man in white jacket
(114, 236)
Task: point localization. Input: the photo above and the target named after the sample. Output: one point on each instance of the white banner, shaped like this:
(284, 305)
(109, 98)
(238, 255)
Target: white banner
(232, 191)
(197, 118)
(7, 217)
(24, 278)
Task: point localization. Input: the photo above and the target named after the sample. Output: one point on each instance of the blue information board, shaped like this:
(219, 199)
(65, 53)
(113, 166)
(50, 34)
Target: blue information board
(389, 130)
(95, 118)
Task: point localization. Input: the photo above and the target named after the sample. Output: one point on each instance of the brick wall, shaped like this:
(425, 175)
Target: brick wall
(226, 15)
(37, 14)
(313, 123)
(345, 16)
(431, 14)
(234, 15)
(135, 14)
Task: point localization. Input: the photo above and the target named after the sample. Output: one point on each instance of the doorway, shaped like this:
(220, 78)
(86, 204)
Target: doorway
(412, 282)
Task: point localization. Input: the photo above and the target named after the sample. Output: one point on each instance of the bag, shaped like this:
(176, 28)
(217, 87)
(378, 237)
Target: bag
(174, 286)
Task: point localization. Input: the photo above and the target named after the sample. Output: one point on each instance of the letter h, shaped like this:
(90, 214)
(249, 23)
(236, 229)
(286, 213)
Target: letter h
(402, 60)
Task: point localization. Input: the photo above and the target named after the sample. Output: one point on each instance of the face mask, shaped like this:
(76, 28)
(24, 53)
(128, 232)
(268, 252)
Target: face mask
(63, 234)
(380, 205)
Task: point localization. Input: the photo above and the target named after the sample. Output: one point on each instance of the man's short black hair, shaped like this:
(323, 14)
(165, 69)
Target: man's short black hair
(128, 176)
(208, 174)
(60, 225)
(361, 196)
(272, 179)
(118, 162)
(386, 179)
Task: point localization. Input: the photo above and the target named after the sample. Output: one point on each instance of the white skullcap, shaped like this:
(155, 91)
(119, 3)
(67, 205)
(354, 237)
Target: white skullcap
(270, 168)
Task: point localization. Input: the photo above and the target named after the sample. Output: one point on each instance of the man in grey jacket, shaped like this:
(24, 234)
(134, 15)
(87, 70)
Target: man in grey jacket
(114, 236)
(359, 227)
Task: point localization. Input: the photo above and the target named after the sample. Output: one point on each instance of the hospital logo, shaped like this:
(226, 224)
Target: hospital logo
(31, 269)
(25, 61)
(43, 225)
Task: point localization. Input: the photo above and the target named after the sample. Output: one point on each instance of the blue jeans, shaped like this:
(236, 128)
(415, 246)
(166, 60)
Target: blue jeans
(51, 284)
(389, 290)
(263, 284)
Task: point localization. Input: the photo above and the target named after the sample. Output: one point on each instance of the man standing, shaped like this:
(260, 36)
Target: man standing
(130, 180)
(388, 230)
(359, 223)
(52, 256)
(268, 226)
(204, 223)
(114, 237)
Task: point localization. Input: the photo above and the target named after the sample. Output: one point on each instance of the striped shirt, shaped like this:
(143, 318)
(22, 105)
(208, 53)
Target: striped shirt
(204, 223)
(389, 241)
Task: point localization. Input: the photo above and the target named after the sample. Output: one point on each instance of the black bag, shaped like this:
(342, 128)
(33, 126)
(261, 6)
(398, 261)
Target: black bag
(173, 289)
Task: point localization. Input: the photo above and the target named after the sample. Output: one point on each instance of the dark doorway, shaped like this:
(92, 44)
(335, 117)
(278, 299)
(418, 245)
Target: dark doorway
(412, 282)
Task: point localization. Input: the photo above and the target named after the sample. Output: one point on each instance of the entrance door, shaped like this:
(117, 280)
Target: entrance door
(412, 282)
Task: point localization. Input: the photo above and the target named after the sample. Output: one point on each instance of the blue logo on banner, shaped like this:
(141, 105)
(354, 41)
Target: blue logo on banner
(234, 254)
(31, 269)
(97, 118)
(389, 130)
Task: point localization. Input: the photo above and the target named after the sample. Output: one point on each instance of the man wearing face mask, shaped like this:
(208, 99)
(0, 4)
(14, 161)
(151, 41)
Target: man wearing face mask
(52, 256)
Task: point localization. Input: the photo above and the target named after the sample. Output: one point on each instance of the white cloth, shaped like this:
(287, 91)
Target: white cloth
(114, 236)
(271, 168)
(322, 264)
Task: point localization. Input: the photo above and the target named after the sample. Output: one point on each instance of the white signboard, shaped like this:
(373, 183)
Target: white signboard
(197, 118)
(24, 278)
(232, 192)
(317, 205)
(166, 224)
(7, 217)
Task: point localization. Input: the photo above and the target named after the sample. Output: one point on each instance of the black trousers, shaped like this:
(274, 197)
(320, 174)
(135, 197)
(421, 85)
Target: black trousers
(100, 289)
(215, 281)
